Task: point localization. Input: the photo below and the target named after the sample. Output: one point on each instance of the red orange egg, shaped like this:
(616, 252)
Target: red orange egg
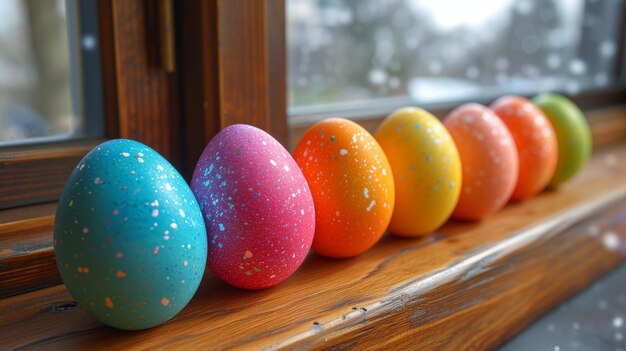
(351, 184)
(535, 141)
(488, 160)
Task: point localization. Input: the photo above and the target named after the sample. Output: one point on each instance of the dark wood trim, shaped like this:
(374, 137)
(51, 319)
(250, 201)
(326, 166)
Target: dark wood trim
(252, 64)
(199, 84)
(469, 284)
(37, 173)
(620, 58)
(234, 68)
(140, 101)
(147, 95)
(109, 78)
(26, 256)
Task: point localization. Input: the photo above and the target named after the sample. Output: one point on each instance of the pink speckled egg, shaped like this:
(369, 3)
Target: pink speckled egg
(488, 159)
(257, 207)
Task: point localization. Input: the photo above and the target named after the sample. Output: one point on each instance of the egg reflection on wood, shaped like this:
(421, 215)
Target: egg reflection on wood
(426, 169)
(352, 186)
(489, 158)
(257, 208)
(129, 239)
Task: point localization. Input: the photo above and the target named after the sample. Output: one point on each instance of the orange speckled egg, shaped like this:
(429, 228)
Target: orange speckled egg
(488, 158)
(351, 183)
(535, 140)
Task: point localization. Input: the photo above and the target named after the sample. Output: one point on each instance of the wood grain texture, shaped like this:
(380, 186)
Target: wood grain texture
(199, 77)
(468, 286)
(252, 64)
(26, 256)
(233, 70)
(36, 174)
(145, 98)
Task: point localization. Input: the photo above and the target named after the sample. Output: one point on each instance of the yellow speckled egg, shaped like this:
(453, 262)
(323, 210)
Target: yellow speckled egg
(426, 169)
(351, 184)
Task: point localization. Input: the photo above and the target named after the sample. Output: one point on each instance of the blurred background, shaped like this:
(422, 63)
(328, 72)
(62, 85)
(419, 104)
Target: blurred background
(35, 92)
(356, 58)
(346, 55)
(49, 68)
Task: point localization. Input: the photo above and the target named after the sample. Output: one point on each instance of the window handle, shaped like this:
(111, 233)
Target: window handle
(167, 40)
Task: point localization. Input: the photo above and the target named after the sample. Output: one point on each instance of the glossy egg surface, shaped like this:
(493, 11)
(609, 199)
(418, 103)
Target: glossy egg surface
(352, 186)
(489, 160)
(426, 169)
(257, 208)
(129, 238)
(535, 141)
(572, 133)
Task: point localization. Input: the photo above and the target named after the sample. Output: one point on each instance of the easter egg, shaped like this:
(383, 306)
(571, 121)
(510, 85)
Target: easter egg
(257, 208)
(129, 238)
(426, 169)
(535, 141)
(572, 134)
(351, 184)
(489, 159)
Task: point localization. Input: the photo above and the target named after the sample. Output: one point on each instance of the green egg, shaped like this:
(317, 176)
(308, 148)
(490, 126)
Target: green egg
(572, 132)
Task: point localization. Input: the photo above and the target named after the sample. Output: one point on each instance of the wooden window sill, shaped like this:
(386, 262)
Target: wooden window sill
(469, 284)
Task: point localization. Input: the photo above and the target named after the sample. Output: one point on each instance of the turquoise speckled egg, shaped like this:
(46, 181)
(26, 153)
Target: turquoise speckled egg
(129, 237)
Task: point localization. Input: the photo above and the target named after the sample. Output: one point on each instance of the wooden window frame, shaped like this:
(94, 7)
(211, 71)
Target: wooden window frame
(231, 57)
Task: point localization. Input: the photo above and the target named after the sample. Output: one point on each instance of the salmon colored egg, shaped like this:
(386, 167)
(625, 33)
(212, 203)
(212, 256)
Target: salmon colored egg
(351, 184)
(488, 157)
(426, 169)
(572, 133)
(535, 141)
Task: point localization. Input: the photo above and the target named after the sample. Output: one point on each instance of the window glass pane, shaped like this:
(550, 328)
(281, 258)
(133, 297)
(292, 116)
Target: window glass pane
(45, 47)
(438, 52)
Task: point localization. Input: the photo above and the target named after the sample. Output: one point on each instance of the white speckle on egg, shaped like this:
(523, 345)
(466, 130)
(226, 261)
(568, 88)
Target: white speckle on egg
(343, 152)
(140, 159)
(618, 322)
(366, 193)
(160, 168)
(273, 163)
(97, 180)
(181, 213)
(168, 187)
(302, 212)
(71, 203)
(155, 213)
(125, 154)
(286, 168)
(154, 203)
(369, 207)
(174, 226)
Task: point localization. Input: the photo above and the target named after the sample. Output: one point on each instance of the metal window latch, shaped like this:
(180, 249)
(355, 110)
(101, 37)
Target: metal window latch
(167, 39)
